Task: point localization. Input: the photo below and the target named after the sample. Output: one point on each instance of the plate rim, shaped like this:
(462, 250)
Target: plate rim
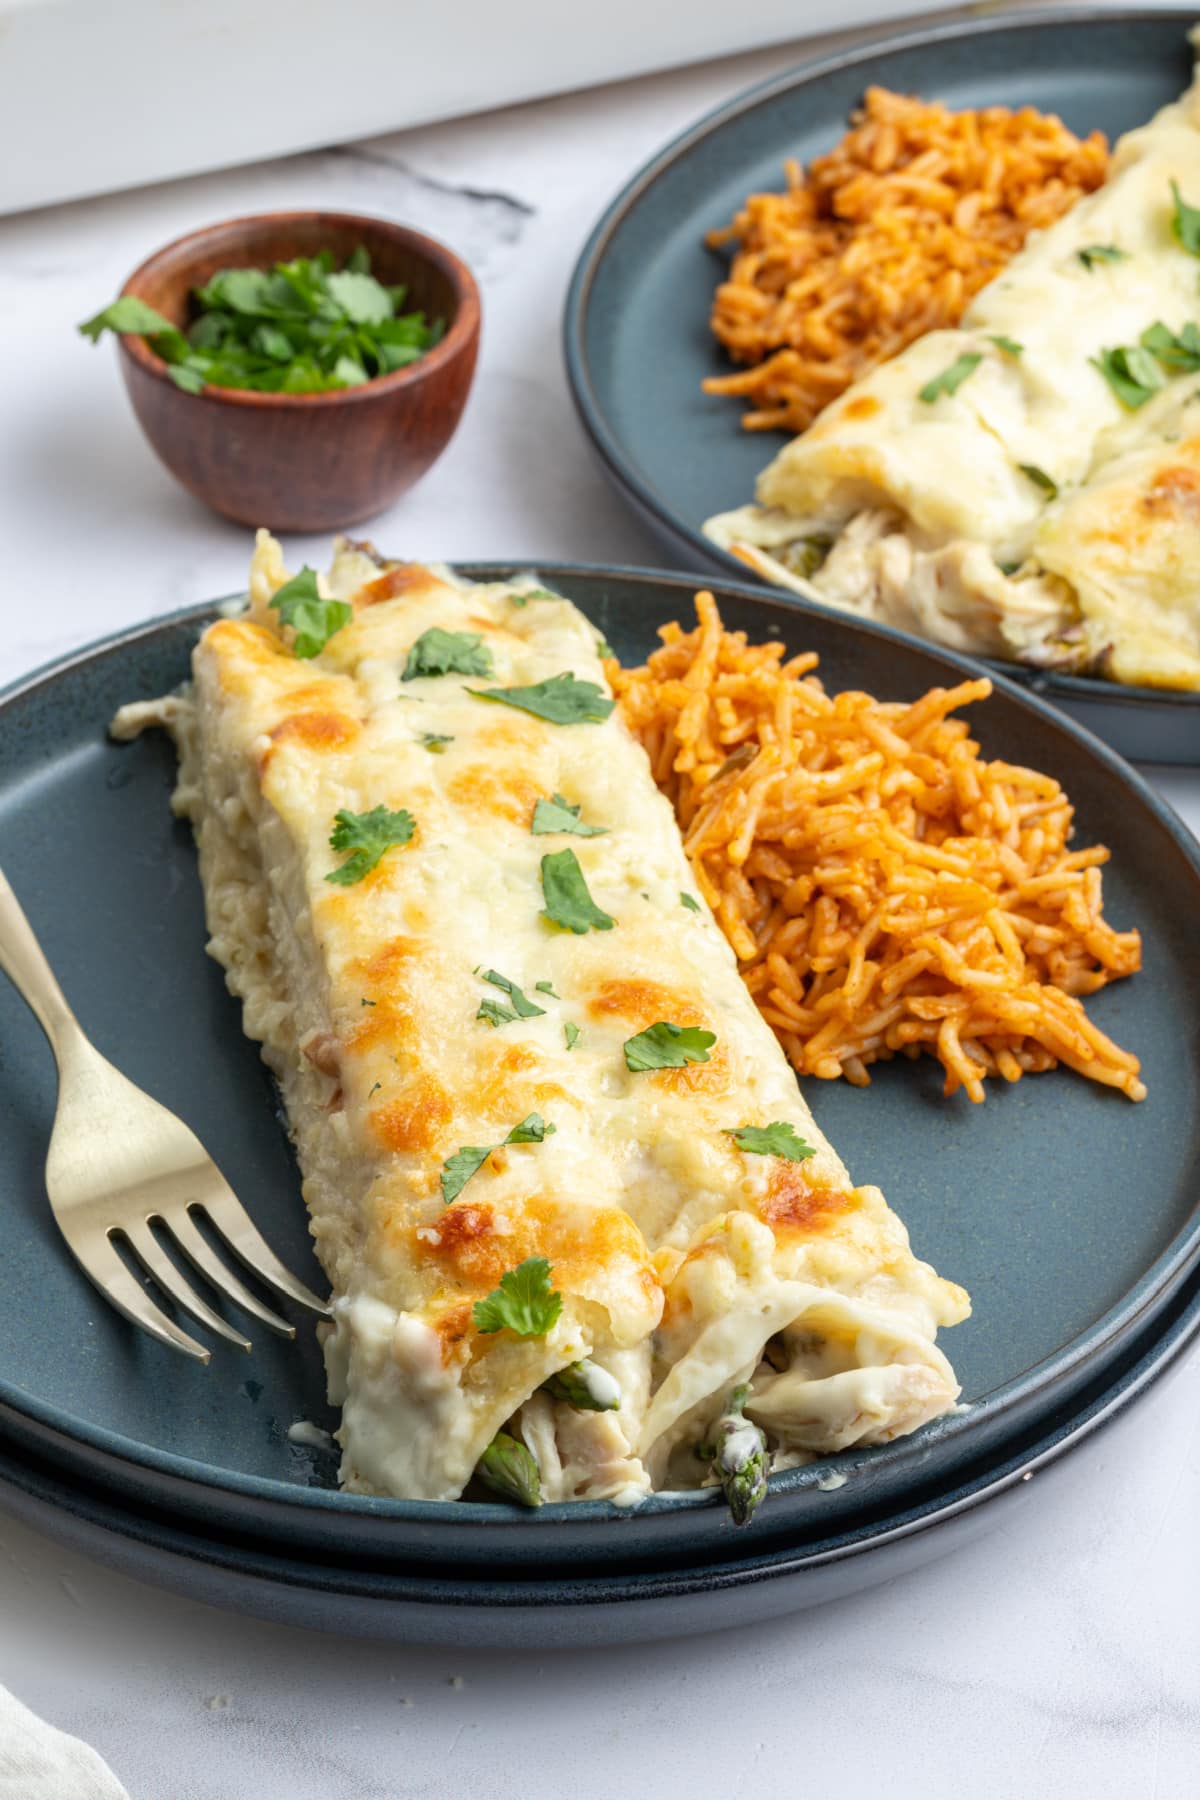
(1154, 1290)
(619, 463)
(1149, 1364)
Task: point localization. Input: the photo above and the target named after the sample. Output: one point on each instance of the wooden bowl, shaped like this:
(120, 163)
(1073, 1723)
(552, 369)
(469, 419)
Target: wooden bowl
(306, 462)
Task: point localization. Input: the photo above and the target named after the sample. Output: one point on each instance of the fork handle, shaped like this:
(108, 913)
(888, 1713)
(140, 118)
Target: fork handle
(23, 962)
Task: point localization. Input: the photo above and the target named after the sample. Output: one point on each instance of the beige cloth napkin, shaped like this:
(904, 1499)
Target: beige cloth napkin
(39, 1763)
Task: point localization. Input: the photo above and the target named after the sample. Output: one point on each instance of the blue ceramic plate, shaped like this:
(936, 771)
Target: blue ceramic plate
(1069, 1213)
(636, 325)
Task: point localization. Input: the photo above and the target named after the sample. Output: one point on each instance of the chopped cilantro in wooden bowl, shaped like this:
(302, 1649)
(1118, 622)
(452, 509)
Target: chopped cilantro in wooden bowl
(298, 370)
(301, 327)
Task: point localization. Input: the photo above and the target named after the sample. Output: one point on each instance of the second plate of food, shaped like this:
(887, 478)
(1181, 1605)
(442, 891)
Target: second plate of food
(639, 344)
(1066, 1206)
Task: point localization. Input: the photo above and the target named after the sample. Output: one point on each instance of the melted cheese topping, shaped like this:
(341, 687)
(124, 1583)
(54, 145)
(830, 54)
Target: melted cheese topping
(935, 522)
(1129, 543)
(677, 1255)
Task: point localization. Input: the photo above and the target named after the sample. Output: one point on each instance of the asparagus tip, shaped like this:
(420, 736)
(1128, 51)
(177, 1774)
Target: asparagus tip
(508, 1468)
(740, 1458)
(585, 1386)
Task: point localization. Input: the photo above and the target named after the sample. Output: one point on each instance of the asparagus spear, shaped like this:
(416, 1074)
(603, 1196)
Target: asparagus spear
(740, 1458)
(585, 1385)
(508, 1467)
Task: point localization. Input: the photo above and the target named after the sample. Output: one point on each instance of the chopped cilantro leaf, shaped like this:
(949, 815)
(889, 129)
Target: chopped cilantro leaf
(349, 372)
(466, 1161)
(458, 1169)
(438, 652)
(495, 1013)
(435, 742)
(666, 1046)
(363, 300)
(531, 1130)
(951, 379)
(547, 987)
(367, 836)
(777, 1139)
(563, 699)
(690, 901)
(571, 1034)
(1040, 479)
(1132, 373)
(559, 815)
(313, 620)
(1180, 353)
(523, 1007)
(568, 902)
(129, 315)
(189, 379)
(604, 650)
(524, 1302)
(1102, 253)
(1009, 345)
(300, 327)
(1186, 222)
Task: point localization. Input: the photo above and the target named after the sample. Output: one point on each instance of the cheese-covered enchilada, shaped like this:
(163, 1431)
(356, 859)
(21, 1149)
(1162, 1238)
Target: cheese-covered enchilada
(955, 489)
(566, 1190)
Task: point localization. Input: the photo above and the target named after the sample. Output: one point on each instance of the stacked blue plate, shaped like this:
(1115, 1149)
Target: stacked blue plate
(1070, 1214)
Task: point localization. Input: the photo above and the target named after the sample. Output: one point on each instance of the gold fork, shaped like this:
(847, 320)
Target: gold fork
(119, 1162)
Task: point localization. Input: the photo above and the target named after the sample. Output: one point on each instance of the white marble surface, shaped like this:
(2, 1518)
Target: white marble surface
(1056, 1656)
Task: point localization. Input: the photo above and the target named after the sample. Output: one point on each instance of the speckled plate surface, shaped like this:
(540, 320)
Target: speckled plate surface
(1070, 1213)
(636, 332)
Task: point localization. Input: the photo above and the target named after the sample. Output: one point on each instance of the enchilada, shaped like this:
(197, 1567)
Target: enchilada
(582, 1232)
(950, 490)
